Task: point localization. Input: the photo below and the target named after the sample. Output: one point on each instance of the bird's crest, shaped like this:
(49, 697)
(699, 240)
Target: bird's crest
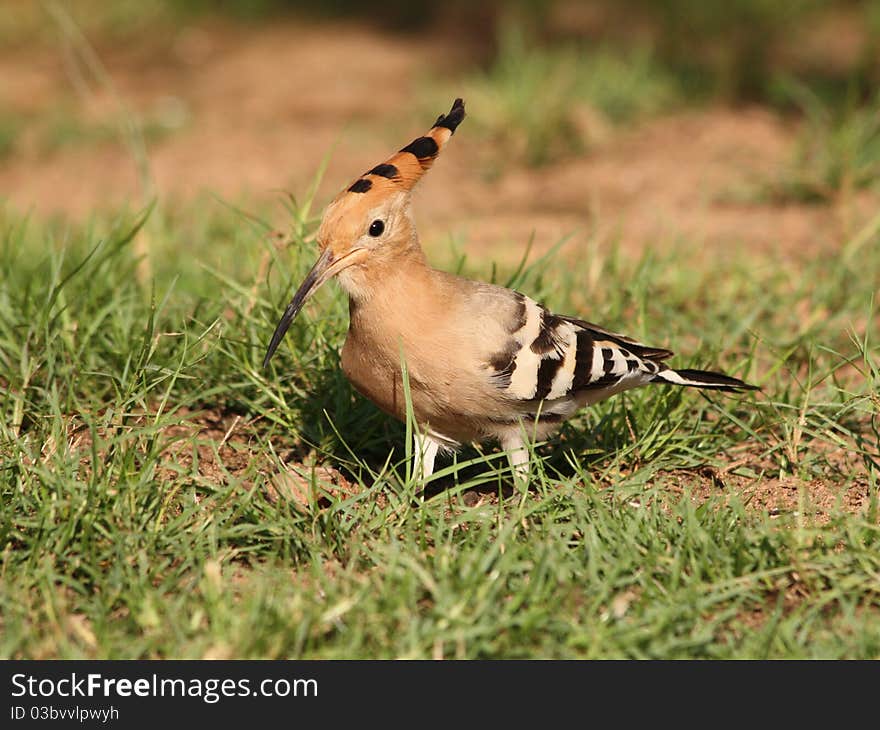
(403, 169)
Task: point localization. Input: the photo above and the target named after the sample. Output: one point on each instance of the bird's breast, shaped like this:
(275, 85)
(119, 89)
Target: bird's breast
(373, 374)
(447, 390)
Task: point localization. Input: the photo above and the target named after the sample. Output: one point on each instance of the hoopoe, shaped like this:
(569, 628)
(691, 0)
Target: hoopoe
(482, 361)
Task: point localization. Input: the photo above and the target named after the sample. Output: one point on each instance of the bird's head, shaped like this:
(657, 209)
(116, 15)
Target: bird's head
(369, 225)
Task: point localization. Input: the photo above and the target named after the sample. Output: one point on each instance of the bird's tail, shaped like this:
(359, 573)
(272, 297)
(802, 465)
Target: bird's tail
(702, 379)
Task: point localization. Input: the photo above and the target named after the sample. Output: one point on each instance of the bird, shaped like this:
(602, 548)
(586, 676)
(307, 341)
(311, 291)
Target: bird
(482, 362)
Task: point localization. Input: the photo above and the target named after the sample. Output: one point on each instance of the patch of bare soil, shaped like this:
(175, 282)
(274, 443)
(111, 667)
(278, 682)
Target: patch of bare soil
(812, 501)
(842, 481)
(213, 447)
(254, 111)
(224, 448)
(309, 487)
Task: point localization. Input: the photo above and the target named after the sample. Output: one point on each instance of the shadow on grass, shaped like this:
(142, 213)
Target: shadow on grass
(361, 441)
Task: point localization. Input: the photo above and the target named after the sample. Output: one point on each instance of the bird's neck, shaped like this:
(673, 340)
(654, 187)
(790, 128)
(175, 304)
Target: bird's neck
(389, 277)
(401, 296)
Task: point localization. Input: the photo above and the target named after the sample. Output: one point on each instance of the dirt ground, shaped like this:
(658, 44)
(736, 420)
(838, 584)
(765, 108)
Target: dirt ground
(253, 111)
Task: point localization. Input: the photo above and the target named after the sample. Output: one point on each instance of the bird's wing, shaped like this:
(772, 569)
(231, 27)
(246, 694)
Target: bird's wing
(642, 350)
(550, 363)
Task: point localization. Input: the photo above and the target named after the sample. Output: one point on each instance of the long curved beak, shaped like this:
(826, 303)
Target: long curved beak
(325, 268)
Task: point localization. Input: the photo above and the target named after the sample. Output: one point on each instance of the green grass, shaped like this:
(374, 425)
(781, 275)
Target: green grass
(733, 41)
(132, 527)
(837, 151)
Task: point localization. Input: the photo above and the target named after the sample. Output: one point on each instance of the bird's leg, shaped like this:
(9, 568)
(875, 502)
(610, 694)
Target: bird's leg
(424, 453)
(517, 455)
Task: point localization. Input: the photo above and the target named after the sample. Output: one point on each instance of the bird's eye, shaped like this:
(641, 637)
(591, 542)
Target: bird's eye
(376, 228)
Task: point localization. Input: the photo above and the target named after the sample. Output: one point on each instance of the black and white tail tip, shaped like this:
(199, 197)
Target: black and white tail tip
(703, 379)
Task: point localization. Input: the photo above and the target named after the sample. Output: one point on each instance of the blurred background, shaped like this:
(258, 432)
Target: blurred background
(753, 122)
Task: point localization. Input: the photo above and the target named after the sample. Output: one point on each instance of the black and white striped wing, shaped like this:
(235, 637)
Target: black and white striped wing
(556, 364)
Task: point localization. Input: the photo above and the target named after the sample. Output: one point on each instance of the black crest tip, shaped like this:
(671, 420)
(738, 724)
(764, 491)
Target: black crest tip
(453, 118)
